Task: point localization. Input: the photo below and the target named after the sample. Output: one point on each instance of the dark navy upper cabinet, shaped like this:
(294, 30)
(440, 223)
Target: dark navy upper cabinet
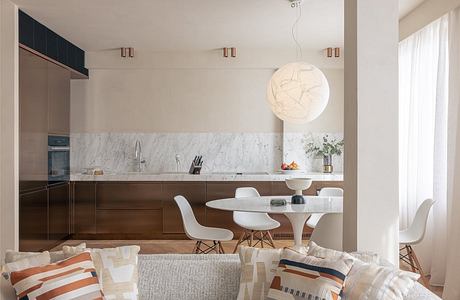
(38, 37)
(52, 44)
(26, 31)
(62, 51)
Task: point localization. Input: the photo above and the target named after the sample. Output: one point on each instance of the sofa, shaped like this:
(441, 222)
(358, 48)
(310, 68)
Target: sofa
(205, 277)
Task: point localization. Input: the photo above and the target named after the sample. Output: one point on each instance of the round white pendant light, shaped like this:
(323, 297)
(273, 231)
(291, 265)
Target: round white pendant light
(298, 92)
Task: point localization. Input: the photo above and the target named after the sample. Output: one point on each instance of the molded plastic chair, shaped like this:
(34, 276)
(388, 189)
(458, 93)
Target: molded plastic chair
(200, 233)
(253, 223)
(413, 235)
(324, 192)
(328, 232)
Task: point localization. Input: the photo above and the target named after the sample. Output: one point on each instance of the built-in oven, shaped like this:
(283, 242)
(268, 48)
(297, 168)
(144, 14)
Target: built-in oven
(58, 159)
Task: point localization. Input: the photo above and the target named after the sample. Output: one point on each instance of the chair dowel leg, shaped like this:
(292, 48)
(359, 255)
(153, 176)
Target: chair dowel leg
(271, 239)
(411, 260)
(240, 240)
(261, 239)
(221, 249)
(251, 238)
(419, 267)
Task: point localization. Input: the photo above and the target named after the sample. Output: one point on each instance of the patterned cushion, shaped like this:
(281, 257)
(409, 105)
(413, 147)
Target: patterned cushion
(117, 269)
(73, 278)
(367, 280)
(301, 276)
(258, 267)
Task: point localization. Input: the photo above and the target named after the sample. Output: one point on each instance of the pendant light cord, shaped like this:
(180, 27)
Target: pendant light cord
(294, 30)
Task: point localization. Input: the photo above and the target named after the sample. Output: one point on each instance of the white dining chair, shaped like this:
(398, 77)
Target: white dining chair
(255, 225)
(328, 232)
(324, 192)
(413, 235)
(199, 233)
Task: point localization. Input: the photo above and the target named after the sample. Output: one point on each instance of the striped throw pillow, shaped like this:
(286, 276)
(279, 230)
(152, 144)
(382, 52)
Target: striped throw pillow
(73, 278)
(300, 276)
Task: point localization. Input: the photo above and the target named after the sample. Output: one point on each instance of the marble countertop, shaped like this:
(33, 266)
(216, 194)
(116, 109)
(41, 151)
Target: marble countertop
(172, 176)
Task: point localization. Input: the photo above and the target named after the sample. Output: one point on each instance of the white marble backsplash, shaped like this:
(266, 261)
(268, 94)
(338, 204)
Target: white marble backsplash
(222, 152)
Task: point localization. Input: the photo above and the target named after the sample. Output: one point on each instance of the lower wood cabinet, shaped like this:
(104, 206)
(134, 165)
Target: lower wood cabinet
(139, 223)
(147, 210)
(84, 208)
(44, 217)
(59, 212)
(33, 221)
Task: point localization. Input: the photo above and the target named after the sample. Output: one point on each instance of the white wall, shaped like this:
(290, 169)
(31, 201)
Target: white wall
(371, 210)
(9, 112)
(424, 14)
(189, 92)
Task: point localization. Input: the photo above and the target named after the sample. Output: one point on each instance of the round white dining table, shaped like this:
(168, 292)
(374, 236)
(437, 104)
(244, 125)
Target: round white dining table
(296, 213)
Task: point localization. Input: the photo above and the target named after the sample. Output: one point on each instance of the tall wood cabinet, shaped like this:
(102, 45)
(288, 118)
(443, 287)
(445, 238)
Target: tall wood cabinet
(44, 101)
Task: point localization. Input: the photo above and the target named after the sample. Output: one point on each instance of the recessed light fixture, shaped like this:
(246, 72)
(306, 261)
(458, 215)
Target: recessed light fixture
(127, 52)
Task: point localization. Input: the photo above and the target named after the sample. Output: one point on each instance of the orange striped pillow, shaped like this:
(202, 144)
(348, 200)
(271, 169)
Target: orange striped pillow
(73, 278)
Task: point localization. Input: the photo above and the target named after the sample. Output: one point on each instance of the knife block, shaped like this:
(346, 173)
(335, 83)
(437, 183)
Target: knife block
(195, 169)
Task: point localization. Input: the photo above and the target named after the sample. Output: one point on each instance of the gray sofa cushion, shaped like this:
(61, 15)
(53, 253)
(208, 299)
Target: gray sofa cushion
(204, 277)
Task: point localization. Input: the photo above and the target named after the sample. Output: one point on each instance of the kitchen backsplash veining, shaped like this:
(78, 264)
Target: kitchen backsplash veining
(222, 152)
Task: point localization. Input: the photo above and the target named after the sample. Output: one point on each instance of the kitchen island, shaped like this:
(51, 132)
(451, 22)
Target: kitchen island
(141, 205)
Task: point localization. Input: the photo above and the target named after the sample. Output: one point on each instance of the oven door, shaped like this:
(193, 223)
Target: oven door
(58, 159)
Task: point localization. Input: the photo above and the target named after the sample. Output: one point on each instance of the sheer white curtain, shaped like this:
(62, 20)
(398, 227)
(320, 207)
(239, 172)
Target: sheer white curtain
(452, 280)
(430, 144)
(423, 135)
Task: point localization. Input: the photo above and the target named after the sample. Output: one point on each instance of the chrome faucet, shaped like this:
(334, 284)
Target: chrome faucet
(138, 156)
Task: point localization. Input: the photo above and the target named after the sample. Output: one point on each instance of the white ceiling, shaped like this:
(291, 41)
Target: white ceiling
(183, 25)
(406, 6)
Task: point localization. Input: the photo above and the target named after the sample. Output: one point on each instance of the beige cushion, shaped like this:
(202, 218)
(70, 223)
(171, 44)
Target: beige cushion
(11, 255)
(36, 260)
(116, 268)
(300, 276)
(367, 280)
(258, 267)
(318, 251)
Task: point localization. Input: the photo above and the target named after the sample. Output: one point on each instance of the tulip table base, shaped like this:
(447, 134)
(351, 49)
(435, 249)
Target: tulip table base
(297, 222)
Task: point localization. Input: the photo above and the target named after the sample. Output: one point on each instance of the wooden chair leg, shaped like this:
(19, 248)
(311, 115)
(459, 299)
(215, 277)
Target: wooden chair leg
(251, 238)
(271, 239)
(221, 249)
(240, 240)
(419, 267)
(197, 247)
(261, 239)
(411, 260)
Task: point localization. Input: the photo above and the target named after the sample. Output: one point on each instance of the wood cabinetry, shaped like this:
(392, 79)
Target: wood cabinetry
(58, 100)
(84, 208)
(44, 217)
(33, 118)
(33, 221)
(146, 210)
(59, 212)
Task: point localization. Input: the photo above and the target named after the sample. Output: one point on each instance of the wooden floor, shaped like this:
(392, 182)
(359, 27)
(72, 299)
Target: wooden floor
(182, 247)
